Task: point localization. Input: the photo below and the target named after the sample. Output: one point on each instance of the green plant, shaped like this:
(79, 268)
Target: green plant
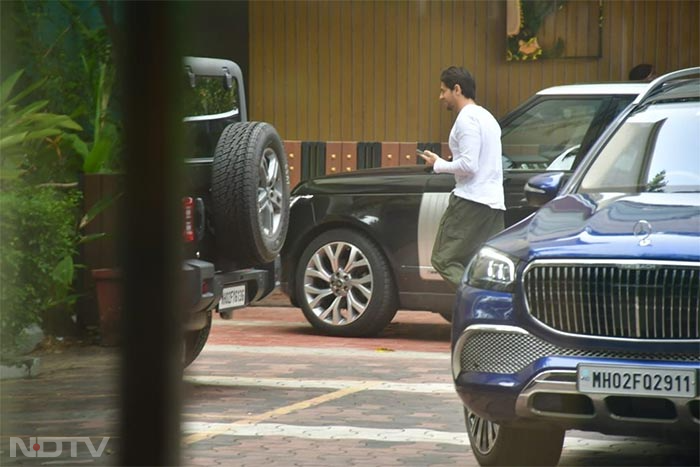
(38, 231)
(39, 221)
(66, 44)
(50, 131)
(26, 132)
(98, 151)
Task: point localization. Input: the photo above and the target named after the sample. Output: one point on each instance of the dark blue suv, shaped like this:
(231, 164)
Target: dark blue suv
(585, 314)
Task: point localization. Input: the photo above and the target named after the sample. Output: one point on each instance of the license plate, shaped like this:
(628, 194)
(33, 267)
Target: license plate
(638, 381)
(232, 297)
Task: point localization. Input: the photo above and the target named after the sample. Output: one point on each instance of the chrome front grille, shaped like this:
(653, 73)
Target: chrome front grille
(618, 299)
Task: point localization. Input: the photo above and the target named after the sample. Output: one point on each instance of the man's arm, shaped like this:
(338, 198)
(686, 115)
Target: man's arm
(466, 162)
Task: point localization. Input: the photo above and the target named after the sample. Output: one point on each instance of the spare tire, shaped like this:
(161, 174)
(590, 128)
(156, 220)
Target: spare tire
(250, 193)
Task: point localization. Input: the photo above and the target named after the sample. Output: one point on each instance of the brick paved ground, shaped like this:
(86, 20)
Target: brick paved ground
(268, 390)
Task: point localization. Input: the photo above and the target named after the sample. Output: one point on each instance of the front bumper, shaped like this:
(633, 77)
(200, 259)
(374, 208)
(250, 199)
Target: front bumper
(505, 374)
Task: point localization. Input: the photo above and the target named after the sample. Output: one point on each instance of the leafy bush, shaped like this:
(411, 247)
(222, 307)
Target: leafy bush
(58, 119)
(39, 237)
(38, 219)
(30, 138)
(67, 46)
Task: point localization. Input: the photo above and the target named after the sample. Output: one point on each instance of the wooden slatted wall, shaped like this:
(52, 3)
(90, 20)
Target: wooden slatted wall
(369, 70)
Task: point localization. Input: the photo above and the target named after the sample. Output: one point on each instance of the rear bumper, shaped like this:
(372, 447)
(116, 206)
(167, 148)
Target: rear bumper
(203, 287)
(259, 282)
(201, 291)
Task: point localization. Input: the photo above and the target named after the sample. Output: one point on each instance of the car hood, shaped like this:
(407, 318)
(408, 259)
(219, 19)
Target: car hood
(389, 180)
(644, 226)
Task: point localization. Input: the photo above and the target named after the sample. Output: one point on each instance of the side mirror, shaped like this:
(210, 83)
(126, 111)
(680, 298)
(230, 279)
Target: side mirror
(542, 188)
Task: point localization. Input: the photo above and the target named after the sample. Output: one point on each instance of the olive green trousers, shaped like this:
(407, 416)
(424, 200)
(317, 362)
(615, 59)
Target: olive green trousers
(464, 227)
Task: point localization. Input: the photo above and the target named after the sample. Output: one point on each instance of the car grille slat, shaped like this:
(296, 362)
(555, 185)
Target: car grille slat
(509, 352)
(654, 300)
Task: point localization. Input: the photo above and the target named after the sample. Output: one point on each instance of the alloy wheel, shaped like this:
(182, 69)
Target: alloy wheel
(338, 283)
(483, 433)
(270, 193)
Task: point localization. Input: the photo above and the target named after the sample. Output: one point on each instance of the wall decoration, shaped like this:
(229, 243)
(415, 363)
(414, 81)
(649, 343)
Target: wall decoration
(539, 29)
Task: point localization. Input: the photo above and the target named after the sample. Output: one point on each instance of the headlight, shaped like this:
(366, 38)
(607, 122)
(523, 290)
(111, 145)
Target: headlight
(492, 270)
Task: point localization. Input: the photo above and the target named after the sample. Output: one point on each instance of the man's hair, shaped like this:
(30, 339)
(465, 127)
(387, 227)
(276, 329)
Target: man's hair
(641, 72)
(457, 75)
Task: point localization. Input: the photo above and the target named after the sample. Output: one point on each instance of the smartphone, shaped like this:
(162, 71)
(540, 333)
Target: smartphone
(420, 152)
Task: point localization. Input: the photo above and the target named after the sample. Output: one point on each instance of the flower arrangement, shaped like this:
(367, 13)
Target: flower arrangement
(524, 19)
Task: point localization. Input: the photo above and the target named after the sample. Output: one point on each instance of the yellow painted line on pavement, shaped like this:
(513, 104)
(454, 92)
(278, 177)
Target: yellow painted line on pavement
(221, 429)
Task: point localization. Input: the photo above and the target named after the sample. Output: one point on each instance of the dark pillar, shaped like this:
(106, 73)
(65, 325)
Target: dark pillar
(151, 73)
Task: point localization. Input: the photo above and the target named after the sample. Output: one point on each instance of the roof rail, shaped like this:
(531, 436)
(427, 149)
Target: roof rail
(656, 85)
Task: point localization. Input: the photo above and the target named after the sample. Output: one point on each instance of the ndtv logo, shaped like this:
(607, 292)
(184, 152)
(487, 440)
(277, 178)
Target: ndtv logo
(37, 448)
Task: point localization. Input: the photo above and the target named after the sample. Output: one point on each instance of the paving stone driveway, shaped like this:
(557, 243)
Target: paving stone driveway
(268, 390)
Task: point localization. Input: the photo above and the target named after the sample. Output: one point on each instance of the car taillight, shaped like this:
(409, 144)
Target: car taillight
(188, 230)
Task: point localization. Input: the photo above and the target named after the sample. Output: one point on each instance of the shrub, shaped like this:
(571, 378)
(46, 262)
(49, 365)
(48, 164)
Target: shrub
(39, 237)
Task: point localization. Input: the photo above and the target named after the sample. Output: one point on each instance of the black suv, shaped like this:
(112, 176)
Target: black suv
(236, 211)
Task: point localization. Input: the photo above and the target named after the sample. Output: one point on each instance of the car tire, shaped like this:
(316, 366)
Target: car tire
(494, 444)
(195, 341)
(344, 285)
(250, 193)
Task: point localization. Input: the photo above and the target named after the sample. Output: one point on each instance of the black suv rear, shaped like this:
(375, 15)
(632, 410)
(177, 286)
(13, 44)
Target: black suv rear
(236, 210)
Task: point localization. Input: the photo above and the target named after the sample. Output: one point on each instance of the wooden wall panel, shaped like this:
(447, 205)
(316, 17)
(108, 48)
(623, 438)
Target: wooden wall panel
(381, 69)
(390, 99)
(369, 70)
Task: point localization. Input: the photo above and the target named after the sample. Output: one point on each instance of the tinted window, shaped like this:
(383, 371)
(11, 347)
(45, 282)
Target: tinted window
(209, 96)
(534, 139)
(655, 150)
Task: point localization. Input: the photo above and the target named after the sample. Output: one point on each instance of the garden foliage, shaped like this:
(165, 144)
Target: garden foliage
(58, 120)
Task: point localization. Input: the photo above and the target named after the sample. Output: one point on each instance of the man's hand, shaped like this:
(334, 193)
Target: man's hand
(429, 157)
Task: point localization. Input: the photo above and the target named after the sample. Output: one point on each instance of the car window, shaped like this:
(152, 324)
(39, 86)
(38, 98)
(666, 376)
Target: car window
(653, 151)
(565, 160)
(548, 129)
(210, 106)
(209, 96)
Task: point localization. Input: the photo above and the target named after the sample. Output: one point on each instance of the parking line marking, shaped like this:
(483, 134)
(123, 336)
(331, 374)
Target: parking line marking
(232, 381)
(400, 435)
(324, 352)
(222, 428)
(391, 435)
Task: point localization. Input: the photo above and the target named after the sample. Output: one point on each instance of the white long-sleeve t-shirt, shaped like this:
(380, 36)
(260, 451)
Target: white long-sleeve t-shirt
(475, 142)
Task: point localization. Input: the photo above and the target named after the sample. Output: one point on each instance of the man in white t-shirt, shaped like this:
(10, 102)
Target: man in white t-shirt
(476, 208)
